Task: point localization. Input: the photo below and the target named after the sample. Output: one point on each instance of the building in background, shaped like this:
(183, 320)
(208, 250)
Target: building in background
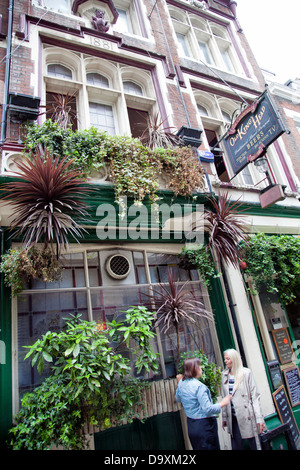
(125, 62)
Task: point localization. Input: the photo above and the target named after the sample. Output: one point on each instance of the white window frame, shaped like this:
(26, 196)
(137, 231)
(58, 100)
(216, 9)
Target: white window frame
(213, 37)
(133, 27)
(114, 95)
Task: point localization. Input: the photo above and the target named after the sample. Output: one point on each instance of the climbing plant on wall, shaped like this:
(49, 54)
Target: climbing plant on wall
(274, 262)
(133, 167)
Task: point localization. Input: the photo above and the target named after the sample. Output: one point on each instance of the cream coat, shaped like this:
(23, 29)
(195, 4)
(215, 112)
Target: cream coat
(246, 401)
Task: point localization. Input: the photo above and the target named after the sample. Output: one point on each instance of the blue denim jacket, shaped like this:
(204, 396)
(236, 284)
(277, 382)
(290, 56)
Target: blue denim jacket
(196, 399)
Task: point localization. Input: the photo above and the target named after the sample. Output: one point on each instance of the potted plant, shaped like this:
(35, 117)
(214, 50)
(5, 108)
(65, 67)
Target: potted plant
(47, 196)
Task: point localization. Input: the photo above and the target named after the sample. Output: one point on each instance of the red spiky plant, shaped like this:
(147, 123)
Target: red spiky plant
(226, 229)
(177, 303)
(47, 199)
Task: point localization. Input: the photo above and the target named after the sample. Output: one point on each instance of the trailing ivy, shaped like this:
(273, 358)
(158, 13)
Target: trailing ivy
(133, 168)
(200, 258)
(19, 266)
(274, 262)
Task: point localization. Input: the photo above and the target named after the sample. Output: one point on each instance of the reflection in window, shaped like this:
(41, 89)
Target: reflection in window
(37, 314)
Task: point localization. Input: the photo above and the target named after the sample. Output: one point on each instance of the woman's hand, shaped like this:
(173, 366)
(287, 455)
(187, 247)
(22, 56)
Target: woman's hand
(261, 427)
(225, 401)
(179, 377)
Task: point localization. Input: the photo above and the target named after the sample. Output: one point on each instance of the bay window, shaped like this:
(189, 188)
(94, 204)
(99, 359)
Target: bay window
(202, 39)
(112, 97)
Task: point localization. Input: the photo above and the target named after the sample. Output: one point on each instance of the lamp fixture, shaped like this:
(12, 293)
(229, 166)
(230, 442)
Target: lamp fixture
(261, 164)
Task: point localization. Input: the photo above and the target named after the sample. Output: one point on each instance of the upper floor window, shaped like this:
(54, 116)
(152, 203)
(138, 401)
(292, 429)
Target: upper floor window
(115, 98)
(203, 40)
(124, 24)
(59, 71)
(97, 79)
(62, 6)
(131, 87)
(128, 20)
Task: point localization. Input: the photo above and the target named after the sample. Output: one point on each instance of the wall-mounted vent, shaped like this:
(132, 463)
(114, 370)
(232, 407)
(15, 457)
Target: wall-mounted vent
(118, 266)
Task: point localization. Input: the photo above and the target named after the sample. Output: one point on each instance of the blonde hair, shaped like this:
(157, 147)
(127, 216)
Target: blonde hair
(237, 366)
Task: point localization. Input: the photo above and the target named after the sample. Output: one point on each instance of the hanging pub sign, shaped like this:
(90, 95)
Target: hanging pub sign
(252, 132)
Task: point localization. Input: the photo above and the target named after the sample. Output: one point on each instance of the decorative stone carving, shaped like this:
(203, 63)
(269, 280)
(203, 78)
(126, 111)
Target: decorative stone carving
(197, 3)
(99, 23)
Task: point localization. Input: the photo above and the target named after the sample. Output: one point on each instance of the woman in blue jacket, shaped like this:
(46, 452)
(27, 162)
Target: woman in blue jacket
(198, 406)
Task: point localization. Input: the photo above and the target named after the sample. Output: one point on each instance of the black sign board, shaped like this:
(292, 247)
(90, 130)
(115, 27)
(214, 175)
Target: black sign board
(283, 345)
(252, 132)
(292, 379)
(275, 374)
(285, 412)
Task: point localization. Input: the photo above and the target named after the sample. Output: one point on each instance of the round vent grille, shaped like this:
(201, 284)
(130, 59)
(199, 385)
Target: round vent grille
(118, 266)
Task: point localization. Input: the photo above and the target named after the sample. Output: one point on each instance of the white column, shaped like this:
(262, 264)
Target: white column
(249, 337)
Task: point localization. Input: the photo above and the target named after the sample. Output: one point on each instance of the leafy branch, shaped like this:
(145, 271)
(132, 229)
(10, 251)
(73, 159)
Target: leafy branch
(90, 381)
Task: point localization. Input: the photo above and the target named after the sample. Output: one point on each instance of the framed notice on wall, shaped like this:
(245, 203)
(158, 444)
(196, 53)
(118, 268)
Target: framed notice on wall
(283, 345)
(292, 380)
(285, 412)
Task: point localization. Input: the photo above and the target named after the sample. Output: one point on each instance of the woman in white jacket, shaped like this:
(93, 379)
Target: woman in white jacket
(243, 417)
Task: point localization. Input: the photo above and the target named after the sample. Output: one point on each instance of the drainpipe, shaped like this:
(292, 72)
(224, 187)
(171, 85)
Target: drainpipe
(7, 71)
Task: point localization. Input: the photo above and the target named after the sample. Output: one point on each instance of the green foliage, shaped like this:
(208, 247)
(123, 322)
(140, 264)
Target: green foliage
(90, 380)
(199, 257)
(21, 265)
(134, 168)
(211, 374)
(274, 262)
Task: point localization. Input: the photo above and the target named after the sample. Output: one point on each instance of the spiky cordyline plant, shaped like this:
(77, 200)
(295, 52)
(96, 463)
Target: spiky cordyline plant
(60, 109)
(48, 200)
(155, 135)
(177, 303)
(226, 229)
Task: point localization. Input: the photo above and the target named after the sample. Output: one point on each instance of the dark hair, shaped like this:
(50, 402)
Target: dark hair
(190, 367)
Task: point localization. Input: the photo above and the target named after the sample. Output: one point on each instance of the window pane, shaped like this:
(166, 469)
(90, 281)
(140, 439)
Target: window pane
(101, 116)
(124, 23)
(62, 5)
(183, 44)
(97, 80)
(37, 314)
(133, 88)
(59, 71)
(138, 121)
(227, 60)
(205, 52)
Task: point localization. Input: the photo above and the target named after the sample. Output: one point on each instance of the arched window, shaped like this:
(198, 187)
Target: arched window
(97, 79)
(133, 88)
(59, 71)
